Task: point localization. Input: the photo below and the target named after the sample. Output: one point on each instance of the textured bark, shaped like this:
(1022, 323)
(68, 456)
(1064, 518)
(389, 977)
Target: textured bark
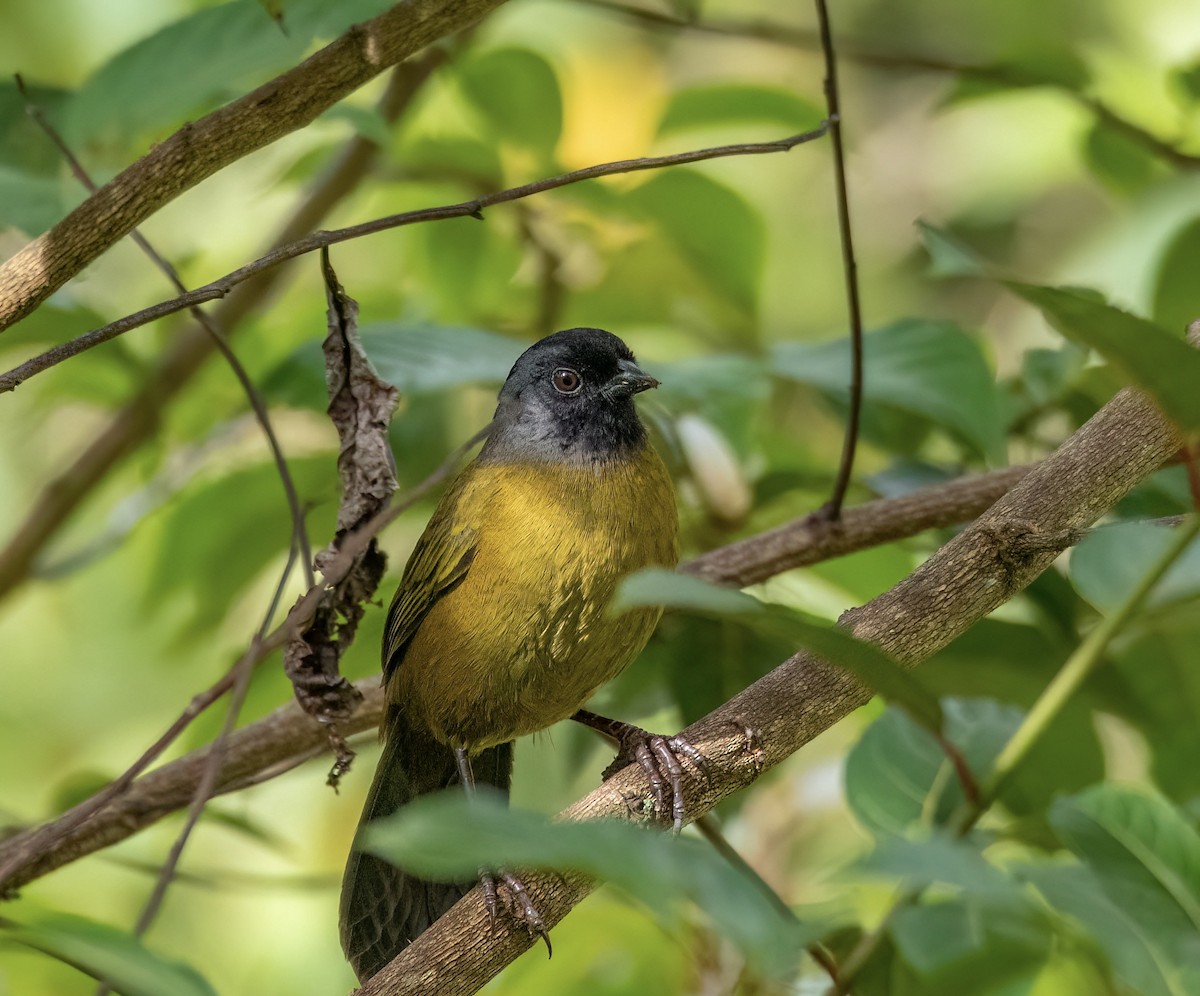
(976, 572)
(201, 148)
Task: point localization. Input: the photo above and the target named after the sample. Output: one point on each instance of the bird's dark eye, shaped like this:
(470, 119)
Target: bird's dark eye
(566, 380)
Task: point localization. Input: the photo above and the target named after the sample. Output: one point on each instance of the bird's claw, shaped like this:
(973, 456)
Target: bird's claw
(518, 906)
(658, 757)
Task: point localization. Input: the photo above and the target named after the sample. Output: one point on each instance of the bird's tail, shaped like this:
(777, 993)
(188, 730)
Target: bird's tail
(383, 908)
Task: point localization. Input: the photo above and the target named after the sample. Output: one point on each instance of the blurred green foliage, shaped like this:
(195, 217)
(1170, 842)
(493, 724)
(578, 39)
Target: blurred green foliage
(1057, 139)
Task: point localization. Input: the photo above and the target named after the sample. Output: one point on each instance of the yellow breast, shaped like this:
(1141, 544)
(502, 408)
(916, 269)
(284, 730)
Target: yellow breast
(526, 637)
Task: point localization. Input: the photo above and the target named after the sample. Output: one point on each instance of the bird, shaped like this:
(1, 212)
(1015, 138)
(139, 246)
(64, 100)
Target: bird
(500, 626)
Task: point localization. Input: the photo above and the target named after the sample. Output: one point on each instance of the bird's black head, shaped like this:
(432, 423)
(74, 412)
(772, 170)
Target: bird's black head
(569, 398)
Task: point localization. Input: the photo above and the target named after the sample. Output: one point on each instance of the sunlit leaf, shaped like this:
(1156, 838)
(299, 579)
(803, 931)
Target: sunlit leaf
(717, 104)
(517, 91)
(712, 226)
(112, 956)
(1175, 301)
(930, 369)
(447, 836)
(190, 63)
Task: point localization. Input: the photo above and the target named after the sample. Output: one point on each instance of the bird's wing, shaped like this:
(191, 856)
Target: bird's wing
(438, 563)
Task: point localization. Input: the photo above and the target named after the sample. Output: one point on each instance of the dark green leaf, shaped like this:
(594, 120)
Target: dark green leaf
(1175, 299)
(949, 257)
(941, 859)
(366, 121)
(722, 104)
(1134, 951)
(112, 956)
(864, 660)
(713, 227)
(156, 82)
(517, 91)
(1111, 560)
(959, 946)
(1187, 80)
(930, 369)
(898, 776)
(1119, 161)
(28, 201)
(1152, 358)
(1162, 695)
(212, 554)
(448, 836)
(417, 359)
(1146, 856)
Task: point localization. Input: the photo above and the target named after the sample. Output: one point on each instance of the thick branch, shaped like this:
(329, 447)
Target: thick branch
(292, 737)
(974, 573)
(137, 421)
(201, 148)
(12, 379)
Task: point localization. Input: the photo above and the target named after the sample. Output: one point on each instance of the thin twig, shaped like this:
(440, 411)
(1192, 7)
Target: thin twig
(1049, 705)
(711, 831)
(257, 404)
(47, 837)
(832, 510)
(135, 422)
(776, 33)
(241, 672)
(318, 240)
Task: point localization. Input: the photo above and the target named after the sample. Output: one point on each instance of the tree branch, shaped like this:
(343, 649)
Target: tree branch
(288, 737)
(974, 573)
(138, 420)
(218, 288)
(201, 148)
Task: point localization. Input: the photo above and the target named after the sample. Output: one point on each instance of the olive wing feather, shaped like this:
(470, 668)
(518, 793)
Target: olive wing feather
(439, 562)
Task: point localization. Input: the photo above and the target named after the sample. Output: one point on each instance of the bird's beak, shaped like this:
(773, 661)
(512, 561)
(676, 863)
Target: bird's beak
(630, 380)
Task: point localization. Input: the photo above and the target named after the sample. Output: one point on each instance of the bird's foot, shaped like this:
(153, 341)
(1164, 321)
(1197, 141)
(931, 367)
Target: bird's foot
(517, 905)
(658, 756)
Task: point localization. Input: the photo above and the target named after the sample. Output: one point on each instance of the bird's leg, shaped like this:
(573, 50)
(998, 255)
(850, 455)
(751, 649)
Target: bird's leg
(657, 756)
(521, 908)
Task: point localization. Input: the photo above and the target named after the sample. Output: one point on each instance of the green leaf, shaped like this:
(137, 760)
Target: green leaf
(1110, 561)
(952, 945)
(898, 777)
(1146, 856)
(112, 956)
(1135, 952)
(1187, 80)
(1175, 303)
(366, 121)
(417, 359)
(517, 91)
(212, 555)
(1153, 359)
(929, 369)
(948, 257)
(722, 104)
(189, 64)
(1161, 684)
(876, 668)
(1119, 161)
(29, 202)
(448, 836)
(941, 859)
(713, 227)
